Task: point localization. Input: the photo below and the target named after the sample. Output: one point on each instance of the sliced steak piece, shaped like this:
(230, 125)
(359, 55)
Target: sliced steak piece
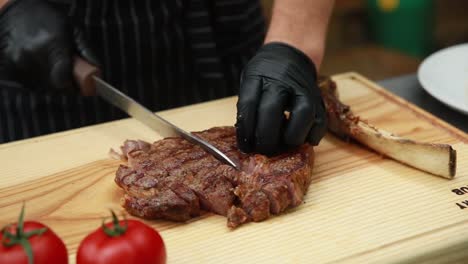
(174, 179)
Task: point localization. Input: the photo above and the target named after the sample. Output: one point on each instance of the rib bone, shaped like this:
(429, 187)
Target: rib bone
(438, 159)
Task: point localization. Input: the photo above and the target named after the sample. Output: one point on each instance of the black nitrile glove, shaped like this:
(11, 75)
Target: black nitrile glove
(37, 45)
(279, 78)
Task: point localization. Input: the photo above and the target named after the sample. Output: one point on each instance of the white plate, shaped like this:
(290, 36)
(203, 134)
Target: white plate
(444, 75)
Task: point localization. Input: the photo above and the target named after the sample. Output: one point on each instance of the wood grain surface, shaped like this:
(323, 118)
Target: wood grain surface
(360, 207)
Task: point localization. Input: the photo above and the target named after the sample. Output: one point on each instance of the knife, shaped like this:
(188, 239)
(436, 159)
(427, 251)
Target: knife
(87, 77)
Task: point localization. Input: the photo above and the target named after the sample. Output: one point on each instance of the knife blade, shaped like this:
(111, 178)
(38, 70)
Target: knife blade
(86, 75)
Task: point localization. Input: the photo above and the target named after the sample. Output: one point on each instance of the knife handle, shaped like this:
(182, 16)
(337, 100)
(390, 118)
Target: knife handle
(83, 73)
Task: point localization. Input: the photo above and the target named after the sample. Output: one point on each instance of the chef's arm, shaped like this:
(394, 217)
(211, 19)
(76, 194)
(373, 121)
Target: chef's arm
(302, 24)
(3, 2)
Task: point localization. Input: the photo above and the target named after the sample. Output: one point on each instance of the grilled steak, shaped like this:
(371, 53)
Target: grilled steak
(174, 179)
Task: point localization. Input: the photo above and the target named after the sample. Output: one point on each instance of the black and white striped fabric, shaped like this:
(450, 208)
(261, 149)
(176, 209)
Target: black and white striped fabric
(164, 54)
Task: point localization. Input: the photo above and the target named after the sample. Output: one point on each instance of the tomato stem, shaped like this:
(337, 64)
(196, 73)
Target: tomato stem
(27, 249)
(20, 225)
(117, 229)
(20, 237)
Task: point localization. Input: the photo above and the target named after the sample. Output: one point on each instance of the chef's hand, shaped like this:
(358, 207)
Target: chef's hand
(279, 78)
(37, 45)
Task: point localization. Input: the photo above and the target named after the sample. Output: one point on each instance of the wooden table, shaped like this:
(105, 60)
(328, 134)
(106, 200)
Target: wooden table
(360, 208)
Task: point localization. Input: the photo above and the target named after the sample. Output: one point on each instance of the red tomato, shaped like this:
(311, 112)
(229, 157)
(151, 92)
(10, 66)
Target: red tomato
(45, 245)
(125, 241)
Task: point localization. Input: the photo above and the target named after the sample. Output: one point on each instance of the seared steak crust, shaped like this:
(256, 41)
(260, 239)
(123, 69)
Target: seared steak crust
(174, 179)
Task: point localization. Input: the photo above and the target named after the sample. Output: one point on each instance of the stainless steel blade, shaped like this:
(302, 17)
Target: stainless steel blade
(152, 120)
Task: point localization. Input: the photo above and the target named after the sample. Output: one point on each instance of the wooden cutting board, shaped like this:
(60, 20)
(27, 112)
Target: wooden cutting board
(360, 208)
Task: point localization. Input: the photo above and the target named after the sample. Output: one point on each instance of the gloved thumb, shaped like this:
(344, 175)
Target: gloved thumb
(83, 48)
(61, 74)
(4, 68)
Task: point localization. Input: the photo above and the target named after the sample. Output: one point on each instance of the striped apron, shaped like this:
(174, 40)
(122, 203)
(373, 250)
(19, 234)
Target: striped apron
(164, 54)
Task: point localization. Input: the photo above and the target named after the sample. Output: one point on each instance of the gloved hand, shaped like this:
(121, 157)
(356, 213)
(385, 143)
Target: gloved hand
(37, 45)
(279, 78)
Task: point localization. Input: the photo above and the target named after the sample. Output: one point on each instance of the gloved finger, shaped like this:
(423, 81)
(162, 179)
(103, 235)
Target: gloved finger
(249, 97)
(319, 128)
(300, 121)
(61, 77)
(270, 118)
(83, 48)
(5, 68)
